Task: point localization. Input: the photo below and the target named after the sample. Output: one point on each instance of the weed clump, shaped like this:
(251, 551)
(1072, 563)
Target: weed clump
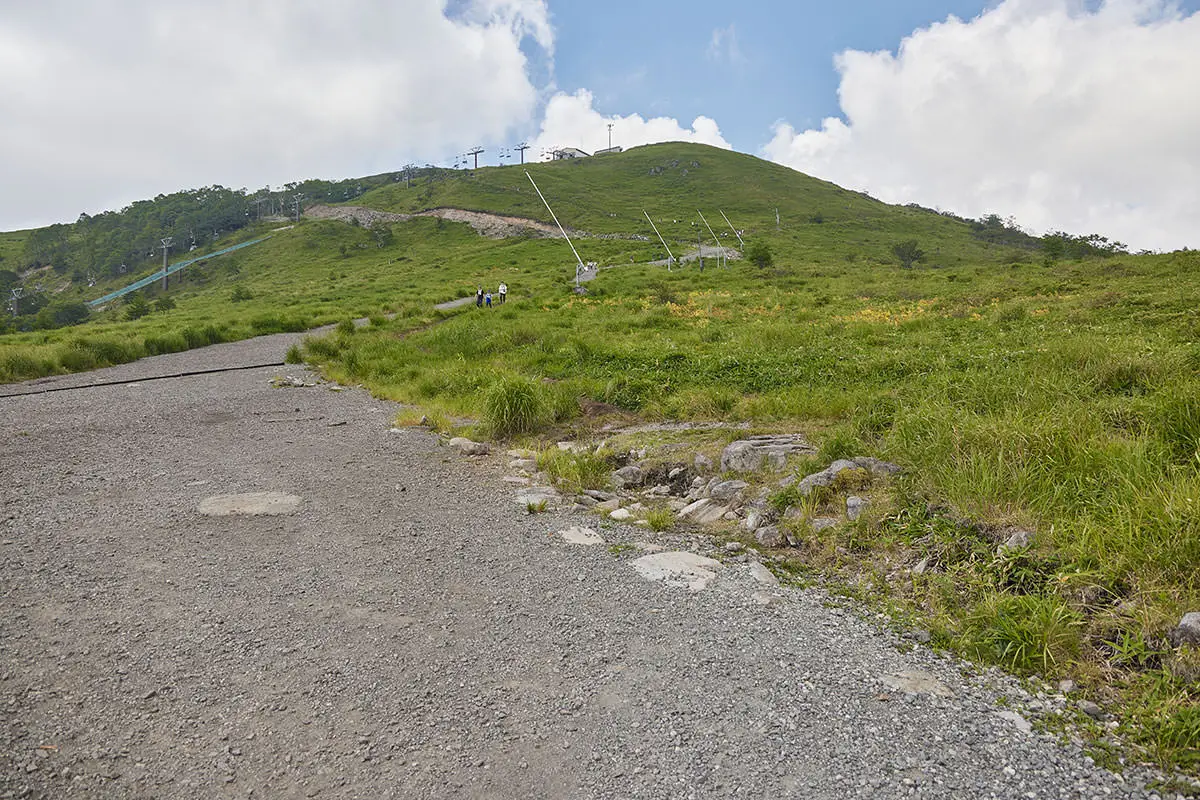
(513, 406)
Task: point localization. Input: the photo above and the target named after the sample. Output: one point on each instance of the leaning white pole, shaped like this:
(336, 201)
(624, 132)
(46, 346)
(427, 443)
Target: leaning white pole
(735, 233)
(670, 257)
(720, 247)
(560, 227)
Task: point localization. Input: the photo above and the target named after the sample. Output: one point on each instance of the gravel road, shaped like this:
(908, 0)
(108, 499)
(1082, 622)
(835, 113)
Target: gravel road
(410, 631)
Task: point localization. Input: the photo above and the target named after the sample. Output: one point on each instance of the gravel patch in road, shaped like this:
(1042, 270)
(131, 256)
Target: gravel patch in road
(411, 631)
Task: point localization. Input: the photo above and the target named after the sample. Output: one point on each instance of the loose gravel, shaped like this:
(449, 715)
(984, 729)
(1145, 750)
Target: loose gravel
(410, 631)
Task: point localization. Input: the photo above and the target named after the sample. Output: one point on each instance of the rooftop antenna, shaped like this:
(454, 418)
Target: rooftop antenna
(475, 151)
(735, 233)
(670, 256)
(523, 146)
(166, 246)
(580, 268)
(720, 247)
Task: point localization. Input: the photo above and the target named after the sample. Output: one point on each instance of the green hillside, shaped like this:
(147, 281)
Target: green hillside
(1048, 384)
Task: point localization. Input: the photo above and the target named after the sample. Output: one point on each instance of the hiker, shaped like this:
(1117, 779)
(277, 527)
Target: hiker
(487, 299)
(503, 292)
(479, 297)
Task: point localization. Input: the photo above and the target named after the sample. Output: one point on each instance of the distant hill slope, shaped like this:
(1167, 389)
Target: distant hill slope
(607, 194)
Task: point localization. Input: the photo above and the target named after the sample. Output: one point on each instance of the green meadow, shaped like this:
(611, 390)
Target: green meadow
(1018, 387)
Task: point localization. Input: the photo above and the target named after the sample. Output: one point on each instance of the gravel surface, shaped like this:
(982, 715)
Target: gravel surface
(410, 631)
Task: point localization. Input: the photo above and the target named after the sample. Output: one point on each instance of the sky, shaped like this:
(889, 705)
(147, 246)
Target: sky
(1075, 115)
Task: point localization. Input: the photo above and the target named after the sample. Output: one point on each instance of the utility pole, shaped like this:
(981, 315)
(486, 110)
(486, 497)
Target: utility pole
(720, 247)
(475, 151)
(523, 146)
(610, 136)
(408, 171)
(296, 199)
(166, 246)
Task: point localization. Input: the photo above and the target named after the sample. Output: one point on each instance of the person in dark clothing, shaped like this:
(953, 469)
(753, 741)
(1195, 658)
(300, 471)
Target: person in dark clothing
(479, 297)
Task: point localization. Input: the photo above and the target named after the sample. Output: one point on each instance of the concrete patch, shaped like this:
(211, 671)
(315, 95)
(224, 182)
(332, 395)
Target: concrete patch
(251, 504)
(915, 681)
(581, 536)
(678, 569)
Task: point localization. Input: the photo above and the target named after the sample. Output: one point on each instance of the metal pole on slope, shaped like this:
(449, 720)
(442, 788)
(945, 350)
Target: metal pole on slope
(579, 260)
(166, 245)
(735, 233)
(720, 247)
(670, 256)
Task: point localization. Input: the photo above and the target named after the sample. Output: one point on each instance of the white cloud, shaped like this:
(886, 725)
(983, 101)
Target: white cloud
(572, 121)
(723, 46)
(1065, 116)
(109, 102)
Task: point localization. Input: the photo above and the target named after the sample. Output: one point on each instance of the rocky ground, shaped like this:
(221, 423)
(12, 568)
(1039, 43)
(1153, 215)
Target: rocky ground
(391, 621)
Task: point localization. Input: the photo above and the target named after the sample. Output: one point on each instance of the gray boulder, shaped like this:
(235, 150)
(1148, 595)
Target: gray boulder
(1187, 631)
(855, 506)
(628, 476)
(826, 476)
(877, 467)
(770, 536)
(727, 490)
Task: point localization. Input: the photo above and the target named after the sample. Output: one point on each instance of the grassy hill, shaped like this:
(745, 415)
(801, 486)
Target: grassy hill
(1058, 396)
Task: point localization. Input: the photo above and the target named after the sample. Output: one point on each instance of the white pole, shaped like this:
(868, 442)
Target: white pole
(670, 256)
(735, 233)
(560, 227)
(720, 247)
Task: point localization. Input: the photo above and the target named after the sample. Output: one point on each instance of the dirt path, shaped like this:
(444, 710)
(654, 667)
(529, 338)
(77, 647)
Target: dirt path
(410, 631)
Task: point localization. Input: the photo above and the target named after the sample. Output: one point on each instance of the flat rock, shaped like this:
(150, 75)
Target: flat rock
(581, 536)
(609, 505)
(468, 447)
(537, 495)
(621, 515)
(915, 681)
(757, 452)
(763, 575)
(1016, 719)
(704, 511)
(766, 599)
(678, 568)
(250, 504)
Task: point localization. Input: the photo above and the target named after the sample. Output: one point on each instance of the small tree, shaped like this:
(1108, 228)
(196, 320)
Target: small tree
(908, 253)
(759, 255)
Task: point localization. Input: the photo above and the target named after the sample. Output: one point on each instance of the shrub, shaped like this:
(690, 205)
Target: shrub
(294, 356)
(513, 406)
(759, 254)
(908, 253)
(240, 294)
(166, 343)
